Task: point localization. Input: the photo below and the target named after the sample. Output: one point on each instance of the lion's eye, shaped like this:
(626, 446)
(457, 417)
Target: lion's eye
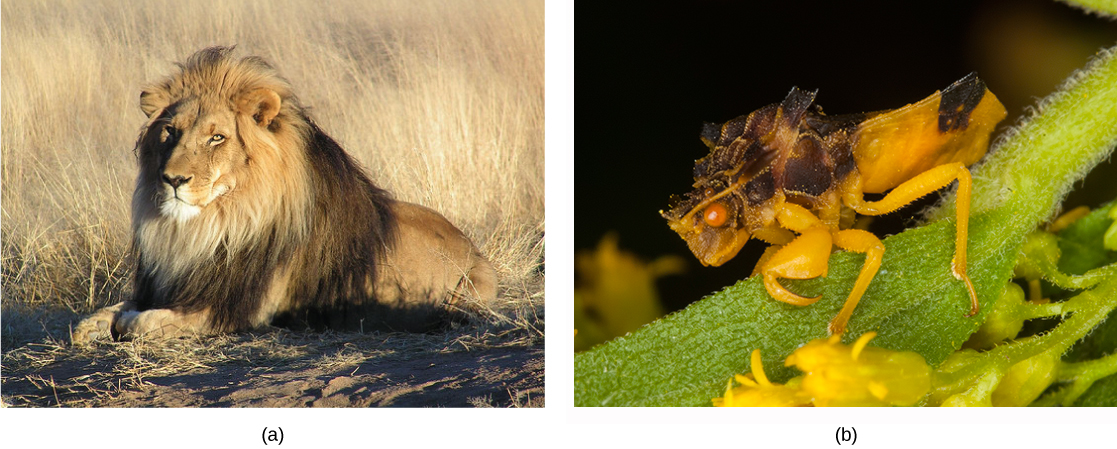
(216, 139)
(169, 132)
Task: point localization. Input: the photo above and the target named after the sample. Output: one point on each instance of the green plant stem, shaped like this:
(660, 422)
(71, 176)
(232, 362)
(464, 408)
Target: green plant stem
(1032, 311)
(1041, 258)
(1100, 7)
(1084, 374)
(1088, 309)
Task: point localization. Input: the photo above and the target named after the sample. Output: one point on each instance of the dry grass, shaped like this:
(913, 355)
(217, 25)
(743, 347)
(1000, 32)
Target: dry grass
(442, 102)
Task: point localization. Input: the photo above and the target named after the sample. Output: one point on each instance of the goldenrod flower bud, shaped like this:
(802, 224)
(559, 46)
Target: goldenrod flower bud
(1004, 321)
(1025, 381)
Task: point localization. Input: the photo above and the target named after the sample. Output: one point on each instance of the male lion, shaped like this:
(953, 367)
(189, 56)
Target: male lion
(246, 214)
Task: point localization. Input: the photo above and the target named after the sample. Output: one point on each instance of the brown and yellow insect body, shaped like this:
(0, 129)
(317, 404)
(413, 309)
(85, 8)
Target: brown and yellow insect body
(786, 169)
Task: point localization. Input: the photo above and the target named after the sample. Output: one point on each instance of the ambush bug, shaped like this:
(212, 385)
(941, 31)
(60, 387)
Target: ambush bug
(790, 175)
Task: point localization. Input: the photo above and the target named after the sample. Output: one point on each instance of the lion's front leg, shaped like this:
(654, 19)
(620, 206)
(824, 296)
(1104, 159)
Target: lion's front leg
(161, 323)
(99, 325)
(124, 321)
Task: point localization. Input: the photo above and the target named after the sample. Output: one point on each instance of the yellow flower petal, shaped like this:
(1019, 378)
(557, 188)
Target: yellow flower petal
(758, 391)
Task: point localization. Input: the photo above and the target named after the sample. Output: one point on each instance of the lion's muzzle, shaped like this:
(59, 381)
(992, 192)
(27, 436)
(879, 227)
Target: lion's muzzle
(176, 181)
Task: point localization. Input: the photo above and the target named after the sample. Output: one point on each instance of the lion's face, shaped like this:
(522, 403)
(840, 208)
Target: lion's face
(196, 150)
(203, 156)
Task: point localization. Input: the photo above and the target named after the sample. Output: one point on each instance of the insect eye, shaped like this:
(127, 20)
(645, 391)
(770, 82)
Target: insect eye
(216, 139)
(715, 215)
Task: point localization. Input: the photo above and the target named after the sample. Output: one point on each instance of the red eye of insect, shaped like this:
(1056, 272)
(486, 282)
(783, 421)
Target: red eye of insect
(715, 215)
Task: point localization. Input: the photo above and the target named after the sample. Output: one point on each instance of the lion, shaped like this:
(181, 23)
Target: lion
(247, 214)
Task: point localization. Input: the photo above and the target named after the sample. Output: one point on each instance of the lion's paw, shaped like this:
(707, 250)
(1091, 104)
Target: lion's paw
(97, 327)
(127, 323)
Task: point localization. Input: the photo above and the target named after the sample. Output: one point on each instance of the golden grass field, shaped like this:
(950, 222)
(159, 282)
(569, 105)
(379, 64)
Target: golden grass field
(442, 102)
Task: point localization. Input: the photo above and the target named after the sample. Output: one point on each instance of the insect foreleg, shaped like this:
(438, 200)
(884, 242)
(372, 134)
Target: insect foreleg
(806, 257)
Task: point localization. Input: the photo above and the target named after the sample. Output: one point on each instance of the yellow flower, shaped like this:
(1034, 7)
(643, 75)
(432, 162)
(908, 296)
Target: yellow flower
(756, 391)
(840, 375)
(616, 292)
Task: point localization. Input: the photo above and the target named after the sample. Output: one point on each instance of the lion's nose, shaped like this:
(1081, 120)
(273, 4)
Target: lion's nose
(176, 181)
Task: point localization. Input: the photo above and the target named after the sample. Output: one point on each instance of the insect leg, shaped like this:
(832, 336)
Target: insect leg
(859, 241)
(806, 257)
(914, 188)
(774, 236)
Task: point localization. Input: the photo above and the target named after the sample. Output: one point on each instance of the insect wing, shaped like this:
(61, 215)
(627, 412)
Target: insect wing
(949, 126)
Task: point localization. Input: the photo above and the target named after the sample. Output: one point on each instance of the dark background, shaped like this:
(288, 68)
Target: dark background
(649, 74)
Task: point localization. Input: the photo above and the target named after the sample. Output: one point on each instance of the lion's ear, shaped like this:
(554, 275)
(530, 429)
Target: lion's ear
(152, 101)
(261, 104)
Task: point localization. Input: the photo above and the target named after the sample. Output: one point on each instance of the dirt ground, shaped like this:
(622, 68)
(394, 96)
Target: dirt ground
(469, 367)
